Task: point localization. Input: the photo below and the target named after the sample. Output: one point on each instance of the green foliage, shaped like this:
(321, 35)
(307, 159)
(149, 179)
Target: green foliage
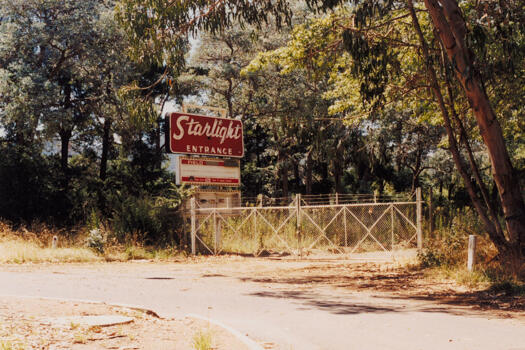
(431, 258)
(151, 221)
(134, 217)
(96, 240)
(28, 185)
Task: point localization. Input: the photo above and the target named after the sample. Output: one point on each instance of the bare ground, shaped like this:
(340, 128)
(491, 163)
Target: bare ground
(25, 324)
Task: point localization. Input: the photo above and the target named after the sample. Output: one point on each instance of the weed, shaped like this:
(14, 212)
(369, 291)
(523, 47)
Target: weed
(431, 258)
(202, 340)
(79, 338)
(74, 325)
(134, 252)
(96, 240)
(471, 279)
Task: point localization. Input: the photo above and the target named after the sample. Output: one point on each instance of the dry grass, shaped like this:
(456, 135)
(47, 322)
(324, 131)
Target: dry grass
(23, 245)
(203, 340)
(22, 252)
(33, 245)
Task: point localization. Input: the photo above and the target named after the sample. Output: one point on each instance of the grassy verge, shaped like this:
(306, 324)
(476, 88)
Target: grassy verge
(470, 279)
(34, 246)
(19, 252)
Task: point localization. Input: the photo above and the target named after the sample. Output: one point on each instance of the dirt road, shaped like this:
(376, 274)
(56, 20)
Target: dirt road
(282, 305)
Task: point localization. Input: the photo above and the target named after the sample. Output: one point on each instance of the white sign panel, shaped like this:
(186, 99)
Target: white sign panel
(207, 171)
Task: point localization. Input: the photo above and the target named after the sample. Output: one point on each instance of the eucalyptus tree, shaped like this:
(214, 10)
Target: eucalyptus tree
(278, 110)
(59, 63)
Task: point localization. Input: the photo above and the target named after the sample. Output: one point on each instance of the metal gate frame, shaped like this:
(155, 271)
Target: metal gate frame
(200, 216)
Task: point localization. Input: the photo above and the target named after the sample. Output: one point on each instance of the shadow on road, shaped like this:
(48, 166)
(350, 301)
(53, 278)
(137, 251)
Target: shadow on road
(310, 301)
(391, 290)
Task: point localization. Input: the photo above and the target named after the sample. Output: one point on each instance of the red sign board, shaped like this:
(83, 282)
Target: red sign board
(203, 171)
(198, 134)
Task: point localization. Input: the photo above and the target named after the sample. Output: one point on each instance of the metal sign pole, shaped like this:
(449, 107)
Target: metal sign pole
(193, 225)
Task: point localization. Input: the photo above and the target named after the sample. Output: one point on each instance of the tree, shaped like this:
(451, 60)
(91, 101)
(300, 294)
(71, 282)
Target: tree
(58, 55)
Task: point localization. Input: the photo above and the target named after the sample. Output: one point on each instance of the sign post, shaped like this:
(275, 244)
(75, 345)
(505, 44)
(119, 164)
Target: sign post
(199, 138)
(193, 225)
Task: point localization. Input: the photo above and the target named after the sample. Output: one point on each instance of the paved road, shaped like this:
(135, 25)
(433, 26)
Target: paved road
(289, 315)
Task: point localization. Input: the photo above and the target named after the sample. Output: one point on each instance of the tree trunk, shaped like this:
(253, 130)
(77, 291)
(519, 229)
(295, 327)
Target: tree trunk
(65, 137)
(450, 25)
(309, 172)
(496, 237)
(297, 176)
(338, 169)
(158, 149)
(107, 140)
(284, 179)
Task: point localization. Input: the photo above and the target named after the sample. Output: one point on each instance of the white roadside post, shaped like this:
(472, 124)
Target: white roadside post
(193, 225)
(471, 252)
(419, 219)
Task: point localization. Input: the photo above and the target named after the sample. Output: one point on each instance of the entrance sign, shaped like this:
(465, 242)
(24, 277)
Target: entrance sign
(206, 171)
(198, 134)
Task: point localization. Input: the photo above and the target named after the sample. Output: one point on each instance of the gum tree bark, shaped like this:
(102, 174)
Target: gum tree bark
(450, 26)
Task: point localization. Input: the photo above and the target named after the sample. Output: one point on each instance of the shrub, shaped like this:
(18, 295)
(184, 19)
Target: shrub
(448, 246)
(151, 221)
(96, 240)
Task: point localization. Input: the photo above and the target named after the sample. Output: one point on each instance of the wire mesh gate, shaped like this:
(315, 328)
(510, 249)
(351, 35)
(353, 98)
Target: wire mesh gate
(355, 229)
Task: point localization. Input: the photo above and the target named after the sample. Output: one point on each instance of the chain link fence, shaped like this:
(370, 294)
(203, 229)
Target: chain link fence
(345, 225)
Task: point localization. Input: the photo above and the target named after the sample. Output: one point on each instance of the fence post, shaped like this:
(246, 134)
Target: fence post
(471, 252)
(392, 223)
(255, 234)
(193, 225)
(430, 213)
(419, 209)
(346, 228)
(217, 231)
(298, 226)
(336, 198)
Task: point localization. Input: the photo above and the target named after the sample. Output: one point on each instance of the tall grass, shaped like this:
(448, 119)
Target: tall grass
(445, 255)
(33, 244)
(22, 252)
(23, 245)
